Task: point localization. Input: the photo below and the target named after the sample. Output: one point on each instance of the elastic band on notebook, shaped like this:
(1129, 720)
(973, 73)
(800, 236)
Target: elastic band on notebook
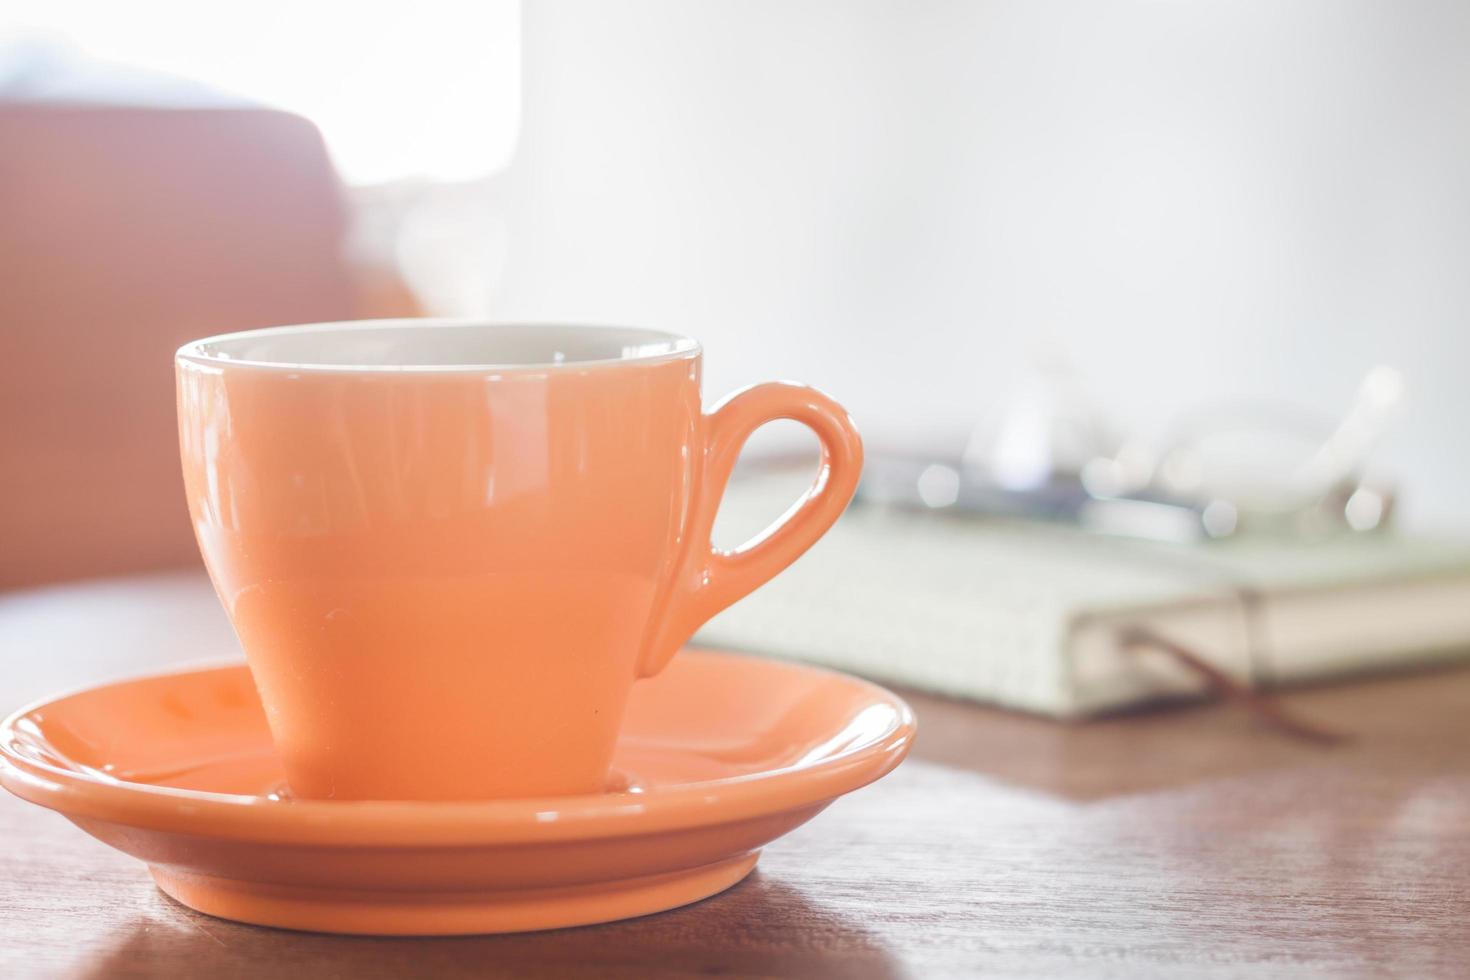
(1259, 703)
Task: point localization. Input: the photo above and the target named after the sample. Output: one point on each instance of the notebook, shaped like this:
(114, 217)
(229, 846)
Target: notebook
(1030, 616)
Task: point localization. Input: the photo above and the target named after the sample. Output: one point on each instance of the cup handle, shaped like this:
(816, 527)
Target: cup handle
(709, 579)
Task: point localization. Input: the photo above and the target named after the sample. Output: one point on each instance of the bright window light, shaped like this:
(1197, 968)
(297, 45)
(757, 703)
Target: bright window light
(429, 89)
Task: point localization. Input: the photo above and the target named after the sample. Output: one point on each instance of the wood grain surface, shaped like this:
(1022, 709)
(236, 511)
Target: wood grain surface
(1189, 843)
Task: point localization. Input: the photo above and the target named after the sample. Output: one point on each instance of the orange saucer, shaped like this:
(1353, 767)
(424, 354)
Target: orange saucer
(719, 756)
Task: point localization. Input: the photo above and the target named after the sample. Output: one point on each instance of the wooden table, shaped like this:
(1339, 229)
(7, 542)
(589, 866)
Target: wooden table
(1182, 843)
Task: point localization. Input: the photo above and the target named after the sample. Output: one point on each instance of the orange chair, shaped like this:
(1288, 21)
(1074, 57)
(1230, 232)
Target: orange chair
(123, 233)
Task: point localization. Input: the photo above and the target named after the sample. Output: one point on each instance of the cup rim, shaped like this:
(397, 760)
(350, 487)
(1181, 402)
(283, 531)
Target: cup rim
(673, 346)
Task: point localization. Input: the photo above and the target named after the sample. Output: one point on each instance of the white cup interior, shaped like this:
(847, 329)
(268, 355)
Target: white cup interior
(426, 345)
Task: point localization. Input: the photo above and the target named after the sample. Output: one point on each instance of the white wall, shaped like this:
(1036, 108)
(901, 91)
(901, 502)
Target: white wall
(894, 200)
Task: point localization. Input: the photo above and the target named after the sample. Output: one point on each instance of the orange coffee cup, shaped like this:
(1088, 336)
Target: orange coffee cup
(450, 548)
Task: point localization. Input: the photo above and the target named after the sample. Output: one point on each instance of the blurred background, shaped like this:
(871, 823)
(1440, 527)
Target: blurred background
(1047, 231)
(1155, 317)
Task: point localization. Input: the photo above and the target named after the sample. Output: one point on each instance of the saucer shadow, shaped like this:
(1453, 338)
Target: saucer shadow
(760, 927)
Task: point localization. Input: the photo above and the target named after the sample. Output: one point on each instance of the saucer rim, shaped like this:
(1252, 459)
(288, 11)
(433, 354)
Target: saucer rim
(455, 823)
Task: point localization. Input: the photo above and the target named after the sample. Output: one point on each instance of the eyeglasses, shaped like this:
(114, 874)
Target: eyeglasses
(1219, 472)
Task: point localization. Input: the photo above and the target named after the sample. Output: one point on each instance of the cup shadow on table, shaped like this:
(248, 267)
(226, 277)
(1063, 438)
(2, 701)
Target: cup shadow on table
(760, 927)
